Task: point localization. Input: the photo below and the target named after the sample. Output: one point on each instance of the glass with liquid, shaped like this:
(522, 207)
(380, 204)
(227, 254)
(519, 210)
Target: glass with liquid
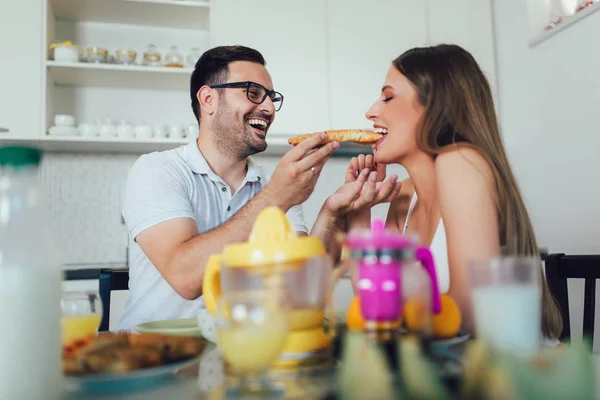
(252, 327)
(30, 282)
(81, 316)
(506, 297)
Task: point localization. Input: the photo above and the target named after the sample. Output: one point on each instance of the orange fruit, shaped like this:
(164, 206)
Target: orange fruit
(414, 312)
(354, 318)
(446, 324)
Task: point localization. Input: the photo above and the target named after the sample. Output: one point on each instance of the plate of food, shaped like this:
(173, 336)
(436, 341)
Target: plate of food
(116, 362)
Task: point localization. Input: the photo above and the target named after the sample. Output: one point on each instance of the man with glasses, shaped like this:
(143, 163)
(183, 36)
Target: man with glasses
(183, 205)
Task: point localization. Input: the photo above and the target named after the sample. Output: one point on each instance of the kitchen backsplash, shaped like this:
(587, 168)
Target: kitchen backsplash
(85, 191)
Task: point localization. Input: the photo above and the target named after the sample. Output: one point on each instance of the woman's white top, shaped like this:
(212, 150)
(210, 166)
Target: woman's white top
(438, 248)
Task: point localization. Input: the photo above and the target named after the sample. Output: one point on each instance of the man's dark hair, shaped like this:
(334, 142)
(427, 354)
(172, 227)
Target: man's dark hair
(212, 68)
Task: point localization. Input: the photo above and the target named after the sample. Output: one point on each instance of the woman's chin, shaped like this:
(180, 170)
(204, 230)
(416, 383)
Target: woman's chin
(382, 157)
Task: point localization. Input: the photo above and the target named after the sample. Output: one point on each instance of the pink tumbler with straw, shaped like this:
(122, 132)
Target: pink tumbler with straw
(381, 256)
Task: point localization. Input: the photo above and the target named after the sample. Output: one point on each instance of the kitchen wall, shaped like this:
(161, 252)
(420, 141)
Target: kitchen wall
(549, 95)
(85, 192)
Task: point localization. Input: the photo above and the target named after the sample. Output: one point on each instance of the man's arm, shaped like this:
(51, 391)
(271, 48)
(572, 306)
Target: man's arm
(180, 254)
(327, 227)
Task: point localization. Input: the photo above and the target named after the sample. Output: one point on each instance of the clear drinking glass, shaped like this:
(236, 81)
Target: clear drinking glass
(506, 297)
(81, 316)
(252, 327)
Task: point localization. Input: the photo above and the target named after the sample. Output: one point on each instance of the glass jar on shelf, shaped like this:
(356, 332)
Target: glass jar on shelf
(152, 57)
(193, 57)
(174, 58)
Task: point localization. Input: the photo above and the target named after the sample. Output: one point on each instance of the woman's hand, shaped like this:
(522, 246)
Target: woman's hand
(362, 193)
(360, 217)
(361, 162)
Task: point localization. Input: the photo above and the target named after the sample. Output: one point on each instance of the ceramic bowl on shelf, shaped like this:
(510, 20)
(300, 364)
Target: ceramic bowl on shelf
(65, 52)
(97, 54)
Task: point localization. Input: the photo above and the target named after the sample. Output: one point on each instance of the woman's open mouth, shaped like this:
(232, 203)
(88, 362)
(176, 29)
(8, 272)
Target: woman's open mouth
(383, 131)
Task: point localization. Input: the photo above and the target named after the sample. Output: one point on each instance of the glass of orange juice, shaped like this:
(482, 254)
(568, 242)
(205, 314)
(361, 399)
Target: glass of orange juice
(252, 327)
(81, 316)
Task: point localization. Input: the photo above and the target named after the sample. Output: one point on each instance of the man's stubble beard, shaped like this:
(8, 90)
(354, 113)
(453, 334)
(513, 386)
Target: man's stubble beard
(232, 136)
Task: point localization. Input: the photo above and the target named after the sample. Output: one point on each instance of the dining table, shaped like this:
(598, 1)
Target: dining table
(205, 378)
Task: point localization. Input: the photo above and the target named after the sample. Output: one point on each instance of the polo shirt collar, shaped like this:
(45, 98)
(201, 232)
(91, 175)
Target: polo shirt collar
(198, 164)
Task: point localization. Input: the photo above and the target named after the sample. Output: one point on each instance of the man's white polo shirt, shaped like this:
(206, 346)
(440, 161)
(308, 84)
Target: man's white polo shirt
(174, 184)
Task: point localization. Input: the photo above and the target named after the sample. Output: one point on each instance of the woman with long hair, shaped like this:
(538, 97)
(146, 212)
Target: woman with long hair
(461, 198)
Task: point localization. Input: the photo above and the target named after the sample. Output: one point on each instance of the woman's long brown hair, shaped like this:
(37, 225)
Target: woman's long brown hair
(459, 109)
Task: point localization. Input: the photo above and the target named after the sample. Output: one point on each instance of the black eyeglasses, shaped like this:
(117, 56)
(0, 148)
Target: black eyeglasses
(255, 92)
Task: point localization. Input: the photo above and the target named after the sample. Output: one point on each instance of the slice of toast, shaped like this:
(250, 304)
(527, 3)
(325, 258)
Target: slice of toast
(358, 136)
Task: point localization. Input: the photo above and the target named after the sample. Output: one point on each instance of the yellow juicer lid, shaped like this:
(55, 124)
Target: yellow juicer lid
(272, 241)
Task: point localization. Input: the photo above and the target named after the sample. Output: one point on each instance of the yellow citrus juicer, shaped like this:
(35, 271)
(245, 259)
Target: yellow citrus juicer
(298, 265)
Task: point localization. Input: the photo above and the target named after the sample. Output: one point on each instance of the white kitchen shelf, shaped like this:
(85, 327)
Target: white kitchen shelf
(180, 14)
(93, 145)
(77, 144)
(566, 22)
(119, 76)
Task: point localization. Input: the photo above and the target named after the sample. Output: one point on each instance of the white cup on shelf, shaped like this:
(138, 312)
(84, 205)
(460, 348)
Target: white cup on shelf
(175, 131)
(160, 131)
(64, 120)
(143, 131)
(125, 130)
(192, 130)
(88, 130)
(107, 130)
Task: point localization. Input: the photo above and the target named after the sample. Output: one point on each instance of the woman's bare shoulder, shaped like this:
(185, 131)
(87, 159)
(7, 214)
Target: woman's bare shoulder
(454, 161)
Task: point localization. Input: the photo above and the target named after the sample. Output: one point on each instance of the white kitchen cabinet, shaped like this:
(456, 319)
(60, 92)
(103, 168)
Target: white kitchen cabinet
(20, 73)
(468, 23)
(291, 35)
(363, 40)
(36, 88)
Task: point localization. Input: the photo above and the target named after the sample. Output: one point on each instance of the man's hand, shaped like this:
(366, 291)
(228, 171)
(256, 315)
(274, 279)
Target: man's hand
(297, 172)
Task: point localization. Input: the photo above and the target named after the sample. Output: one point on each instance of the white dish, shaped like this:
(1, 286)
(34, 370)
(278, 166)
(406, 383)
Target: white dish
(175, 327)
(63, 131)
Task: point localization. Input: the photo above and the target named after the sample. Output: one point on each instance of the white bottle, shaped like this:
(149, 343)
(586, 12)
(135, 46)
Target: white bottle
(30, 285)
